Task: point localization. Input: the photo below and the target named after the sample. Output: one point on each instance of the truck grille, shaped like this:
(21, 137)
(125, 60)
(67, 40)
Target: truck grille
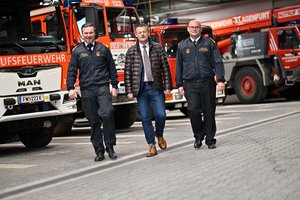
(29, 108)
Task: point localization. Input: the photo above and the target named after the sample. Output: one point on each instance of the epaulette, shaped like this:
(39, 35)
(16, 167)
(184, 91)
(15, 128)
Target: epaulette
(181, 41)
(105, 45)
(76, 47)
(212, 40)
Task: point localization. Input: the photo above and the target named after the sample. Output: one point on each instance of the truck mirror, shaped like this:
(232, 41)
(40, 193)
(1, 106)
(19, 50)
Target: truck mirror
(280, 32)
(295, 53)
(146, 17)
(288, 44)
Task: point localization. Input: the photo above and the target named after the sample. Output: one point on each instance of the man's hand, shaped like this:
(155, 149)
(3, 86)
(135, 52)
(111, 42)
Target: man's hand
(167, 92)
(181, 91)
(130, 96)
(221, 86)
(114, 92)
(72, 94)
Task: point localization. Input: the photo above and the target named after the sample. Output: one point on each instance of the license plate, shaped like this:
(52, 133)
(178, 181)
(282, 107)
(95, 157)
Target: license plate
(30, 99)
(121, 90)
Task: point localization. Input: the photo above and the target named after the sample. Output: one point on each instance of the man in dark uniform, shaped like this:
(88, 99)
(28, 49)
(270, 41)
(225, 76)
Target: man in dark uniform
(96, 71)
(199, 68)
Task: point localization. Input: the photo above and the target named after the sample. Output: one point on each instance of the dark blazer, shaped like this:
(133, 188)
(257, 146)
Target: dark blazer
(95, 69)
(159, 67)
(202, 61)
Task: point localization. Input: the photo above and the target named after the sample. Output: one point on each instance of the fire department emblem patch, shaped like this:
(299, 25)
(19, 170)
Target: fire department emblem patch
(83, 55)
(187, 51)
(203, 49)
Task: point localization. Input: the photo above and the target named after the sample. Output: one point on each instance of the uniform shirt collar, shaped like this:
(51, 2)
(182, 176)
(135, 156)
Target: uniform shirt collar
(198, 38)
(87, 44)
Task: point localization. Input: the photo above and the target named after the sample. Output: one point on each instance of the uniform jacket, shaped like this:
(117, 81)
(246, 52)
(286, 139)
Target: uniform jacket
(196, 62)
(159, 67)
(95, 69)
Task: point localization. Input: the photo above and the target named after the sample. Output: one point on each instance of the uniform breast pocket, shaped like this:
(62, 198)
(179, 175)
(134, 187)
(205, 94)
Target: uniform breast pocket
(100, 60)
(204, 52)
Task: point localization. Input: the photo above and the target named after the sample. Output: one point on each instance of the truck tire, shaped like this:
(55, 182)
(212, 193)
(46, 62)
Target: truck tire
(248, 85)
(125, 115)
(63, 125)
(38, 137)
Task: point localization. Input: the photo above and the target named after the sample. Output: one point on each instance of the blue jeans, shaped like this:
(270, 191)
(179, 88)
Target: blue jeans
(149, 98)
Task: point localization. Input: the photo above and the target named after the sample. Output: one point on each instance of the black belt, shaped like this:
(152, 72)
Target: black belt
(148, 82)
(197, 81)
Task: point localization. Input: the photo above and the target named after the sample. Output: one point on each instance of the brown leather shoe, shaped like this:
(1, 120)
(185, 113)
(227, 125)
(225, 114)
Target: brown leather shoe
(152, 151)
(162, 143)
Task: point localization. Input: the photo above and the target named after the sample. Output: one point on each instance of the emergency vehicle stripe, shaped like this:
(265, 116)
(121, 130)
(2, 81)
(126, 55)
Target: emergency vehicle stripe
(273, 45)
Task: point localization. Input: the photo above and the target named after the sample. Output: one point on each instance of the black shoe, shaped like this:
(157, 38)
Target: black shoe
(197, 144)
(111, 153)
(212, 146)
(99, 157)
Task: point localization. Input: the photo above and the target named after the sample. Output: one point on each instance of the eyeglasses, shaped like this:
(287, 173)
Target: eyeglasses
(194, 27)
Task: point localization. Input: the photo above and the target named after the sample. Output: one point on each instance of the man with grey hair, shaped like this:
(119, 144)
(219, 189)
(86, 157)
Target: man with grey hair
(148, 77)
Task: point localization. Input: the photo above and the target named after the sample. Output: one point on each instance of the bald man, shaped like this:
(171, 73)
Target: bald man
(198, 63)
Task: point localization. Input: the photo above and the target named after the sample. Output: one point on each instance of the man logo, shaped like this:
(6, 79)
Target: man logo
(28, 70)
(29, 83)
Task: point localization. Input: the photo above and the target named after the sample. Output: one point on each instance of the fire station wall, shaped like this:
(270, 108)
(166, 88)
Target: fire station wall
(230, 9)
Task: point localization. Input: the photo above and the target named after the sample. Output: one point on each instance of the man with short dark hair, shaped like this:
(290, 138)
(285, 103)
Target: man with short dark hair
(96, 71)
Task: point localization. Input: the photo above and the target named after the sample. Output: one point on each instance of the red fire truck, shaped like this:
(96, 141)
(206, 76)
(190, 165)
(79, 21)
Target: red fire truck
(261, 53)
(169, 36)
(115, 28)
(33, 97)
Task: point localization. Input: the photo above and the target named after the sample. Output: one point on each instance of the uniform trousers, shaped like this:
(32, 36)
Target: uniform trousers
(98, 109)
(201, 98)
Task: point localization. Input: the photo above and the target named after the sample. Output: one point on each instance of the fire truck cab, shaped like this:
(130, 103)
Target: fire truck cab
(114, 28)
(33, 65)
(261, 53)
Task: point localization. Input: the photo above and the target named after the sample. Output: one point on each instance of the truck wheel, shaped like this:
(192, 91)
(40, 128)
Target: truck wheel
(125, 115)
(63, 125)
(39, 137)
(248, 85)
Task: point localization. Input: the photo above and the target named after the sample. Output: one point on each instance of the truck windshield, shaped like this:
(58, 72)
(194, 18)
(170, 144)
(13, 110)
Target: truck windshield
(171, 38)
(19, 34)
(121, 21)
(287, 39)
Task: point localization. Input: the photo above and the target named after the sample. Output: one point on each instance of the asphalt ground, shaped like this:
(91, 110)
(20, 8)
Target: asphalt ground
(257, 157)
